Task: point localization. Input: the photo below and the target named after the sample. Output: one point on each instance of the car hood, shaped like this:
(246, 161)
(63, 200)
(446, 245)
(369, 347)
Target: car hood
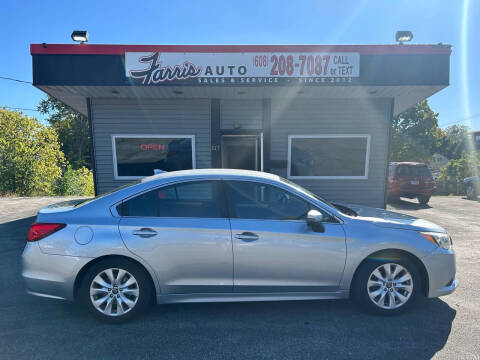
(391, 219)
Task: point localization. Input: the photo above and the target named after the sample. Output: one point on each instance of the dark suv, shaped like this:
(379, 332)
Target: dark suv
(410, 180)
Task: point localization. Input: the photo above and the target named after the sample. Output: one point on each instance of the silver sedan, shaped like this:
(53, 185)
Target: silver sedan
(231, 235)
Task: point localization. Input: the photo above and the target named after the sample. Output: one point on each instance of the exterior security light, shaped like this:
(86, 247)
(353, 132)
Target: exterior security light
(402, 36)
(80, 36)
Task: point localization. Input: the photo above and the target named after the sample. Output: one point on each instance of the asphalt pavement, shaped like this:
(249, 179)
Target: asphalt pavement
(445, 328)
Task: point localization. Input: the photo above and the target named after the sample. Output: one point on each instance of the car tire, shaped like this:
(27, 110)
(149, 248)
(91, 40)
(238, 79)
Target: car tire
(393, 199)
(121, 290)
(375, 295)
(423, 199)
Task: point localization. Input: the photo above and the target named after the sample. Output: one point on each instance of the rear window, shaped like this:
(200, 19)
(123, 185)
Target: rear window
(86, 201)
(409, 170)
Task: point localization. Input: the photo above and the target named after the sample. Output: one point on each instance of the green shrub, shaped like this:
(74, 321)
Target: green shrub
(452, 174)
(30, 156)
(77, 182)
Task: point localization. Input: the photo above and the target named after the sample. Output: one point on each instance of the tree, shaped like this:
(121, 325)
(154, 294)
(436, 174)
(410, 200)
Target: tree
(416, 134)
(408, 149)
(72, 129)
(452, 174)
(30, 155)
(455, 142)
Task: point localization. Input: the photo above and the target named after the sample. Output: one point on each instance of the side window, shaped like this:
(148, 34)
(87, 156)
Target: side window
(201, 199)
(250, 200)
(402, 171)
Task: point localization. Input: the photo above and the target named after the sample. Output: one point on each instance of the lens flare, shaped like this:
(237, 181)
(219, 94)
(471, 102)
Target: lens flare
(464, 59)
(465, 80)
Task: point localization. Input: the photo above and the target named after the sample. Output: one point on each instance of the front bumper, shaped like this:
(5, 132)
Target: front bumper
(441, 269)
(448, 289)
(50, 276)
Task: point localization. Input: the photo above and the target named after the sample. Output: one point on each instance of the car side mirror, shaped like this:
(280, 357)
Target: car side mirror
(314, 220)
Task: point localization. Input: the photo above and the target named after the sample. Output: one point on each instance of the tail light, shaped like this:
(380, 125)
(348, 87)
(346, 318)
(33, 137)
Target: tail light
(40, 230)
(393, 180)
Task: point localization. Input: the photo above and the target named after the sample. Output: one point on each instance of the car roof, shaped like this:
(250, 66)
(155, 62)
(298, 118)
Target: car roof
(412, 163)
(210, 172)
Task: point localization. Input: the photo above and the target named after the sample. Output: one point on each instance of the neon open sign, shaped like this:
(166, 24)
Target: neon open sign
(153, 147)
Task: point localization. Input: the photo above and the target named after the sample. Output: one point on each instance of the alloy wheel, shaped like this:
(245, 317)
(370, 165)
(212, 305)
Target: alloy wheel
(390, 286)
(114, 292)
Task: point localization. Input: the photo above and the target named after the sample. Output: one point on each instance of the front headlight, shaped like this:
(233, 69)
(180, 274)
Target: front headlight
(441, 239)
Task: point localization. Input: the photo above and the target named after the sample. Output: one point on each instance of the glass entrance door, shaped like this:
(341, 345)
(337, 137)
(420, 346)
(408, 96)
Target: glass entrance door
(242, 152)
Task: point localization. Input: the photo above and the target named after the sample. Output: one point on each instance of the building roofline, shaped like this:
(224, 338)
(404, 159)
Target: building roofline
(100, 49)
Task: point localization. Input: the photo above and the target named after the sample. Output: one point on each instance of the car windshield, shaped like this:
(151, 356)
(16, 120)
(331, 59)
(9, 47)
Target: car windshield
(413, 171)
(309, 193)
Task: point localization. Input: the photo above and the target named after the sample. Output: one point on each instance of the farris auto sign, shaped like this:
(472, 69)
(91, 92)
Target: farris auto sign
(241, 68)
(155, 73)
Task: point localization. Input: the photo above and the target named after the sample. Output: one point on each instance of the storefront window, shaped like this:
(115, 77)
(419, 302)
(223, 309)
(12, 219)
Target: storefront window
(137, 156)
(328, 156)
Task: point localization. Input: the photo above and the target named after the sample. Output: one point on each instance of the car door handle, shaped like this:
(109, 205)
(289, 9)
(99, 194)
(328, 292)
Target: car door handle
(247, 236)
(145, 232)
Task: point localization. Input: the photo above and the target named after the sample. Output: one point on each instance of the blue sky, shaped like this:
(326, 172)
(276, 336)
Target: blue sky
(248, 22)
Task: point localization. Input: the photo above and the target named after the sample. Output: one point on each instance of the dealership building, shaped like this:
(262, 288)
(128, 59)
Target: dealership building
(318, 115)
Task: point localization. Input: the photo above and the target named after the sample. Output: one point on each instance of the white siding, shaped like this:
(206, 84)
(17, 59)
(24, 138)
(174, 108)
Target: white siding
(337, 116)
(152, 116)
(247, 113)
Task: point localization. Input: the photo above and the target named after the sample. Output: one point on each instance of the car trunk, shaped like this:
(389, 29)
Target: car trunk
(414, 178)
